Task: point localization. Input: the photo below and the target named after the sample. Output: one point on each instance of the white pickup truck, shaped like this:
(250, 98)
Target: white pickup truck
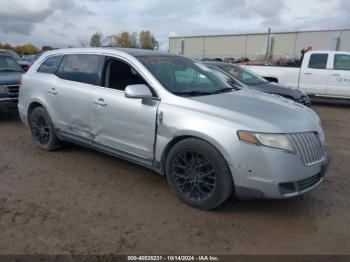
(322, 73)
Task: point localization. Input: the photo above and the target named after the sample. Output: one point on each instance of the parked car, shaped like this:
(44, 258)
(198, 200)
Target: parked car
(10, 76)
(29, 58)
(24, 64)
(229, 60)
(244, 77)
(173, 115)
(322, 73)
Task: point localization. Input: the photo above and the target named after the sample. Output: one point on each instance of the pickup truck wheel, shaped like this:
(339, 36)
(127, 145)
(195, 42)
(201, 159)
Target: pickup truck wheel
(43, 130)
(198, 174)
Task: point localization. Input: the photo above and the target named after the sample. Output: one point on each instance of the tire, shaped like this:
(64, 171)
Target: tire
(43, 130)
(199, 174)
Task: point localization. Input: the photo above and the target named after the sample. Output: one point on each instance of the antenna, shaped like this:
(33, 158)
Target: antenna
(81, 42)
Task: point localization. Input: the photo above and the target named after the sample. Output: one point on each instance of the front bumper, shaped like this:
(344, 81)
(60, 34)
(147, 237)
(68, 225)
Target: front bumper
(271, 173)
(8, 104)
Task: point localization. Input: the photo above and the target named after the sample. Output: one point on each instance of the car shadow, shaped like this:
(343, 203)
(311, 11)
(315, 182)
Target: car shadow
(9, 116)
(330, 102)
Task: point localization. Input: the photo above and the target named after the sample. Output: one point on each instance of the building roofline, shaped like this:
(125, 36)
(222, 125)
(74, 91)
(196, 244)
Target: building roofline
(263, 33)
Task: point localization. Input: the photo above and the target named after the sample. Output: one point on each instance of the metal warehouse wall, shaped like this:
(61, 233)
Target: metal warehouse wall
(288, 44)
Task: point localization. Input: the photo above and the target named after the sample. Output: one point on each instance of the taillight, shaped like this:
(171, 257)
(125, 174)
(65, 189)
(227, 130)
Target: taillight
(20, 83)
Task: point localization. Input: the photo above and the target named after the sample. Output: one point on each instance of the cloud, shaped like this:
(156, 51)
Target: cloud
(60, 22)
(21, 16)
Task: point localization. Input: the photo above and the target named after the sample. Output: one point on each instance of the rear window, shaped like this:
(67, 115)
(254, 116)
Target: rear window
(318, 61)
(50, 65)
(80, 68)
(342, 62)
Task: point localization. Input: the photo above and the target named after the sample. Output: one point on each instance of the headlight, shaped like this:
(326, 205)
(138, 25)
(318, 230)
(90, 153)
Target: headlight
(279, 141)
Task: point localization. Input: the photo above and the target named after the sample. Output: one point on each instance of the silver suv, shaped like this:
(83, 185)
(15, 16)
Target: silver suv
(175, 116)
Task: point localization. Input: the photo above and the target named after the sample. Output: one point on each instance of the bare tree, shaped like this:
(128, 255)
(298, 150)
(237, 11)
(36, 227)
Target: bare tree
(110, 41)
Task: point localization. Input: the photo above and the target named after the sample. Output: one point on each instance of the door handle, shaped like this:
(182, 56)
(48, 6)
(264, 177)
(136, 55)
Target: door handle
(335, 74)
(100, 102)
(53, 91)
(307, 73)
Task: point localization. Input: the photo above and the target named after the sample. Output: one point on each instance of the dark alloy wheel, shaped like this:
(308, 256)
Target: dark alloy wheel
(198, 173)
(43, 130)
(194, 175)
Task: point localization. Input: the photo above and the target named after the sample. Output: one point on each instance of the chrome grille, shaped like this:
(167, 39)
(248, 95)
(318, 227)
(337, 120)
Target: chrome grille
(308, 147)
(13, 89)
(309, 182)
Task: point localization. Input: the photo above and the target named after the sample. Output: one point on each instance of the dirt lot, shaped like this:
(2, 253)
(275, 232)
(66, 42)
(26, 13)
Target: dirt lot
(77, 201)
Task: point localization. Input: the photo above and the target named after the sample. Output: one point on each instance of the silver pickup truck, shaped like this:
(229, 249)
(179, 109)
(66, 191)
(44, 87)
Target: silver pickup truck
(175, 116)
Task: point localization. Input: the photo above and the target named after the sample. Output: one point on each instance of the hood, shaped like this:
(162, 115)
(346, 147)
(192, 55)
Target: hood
(260, 112)
(10, 78)
(273, 88)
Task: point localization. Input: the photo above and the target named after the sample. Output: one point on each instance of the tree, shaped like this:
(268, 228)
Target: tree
(46, 48)
(96, 40)
(134, 40)
(123, 40)
(27, 49)
(7, 46)
(110, 41)
(147, 41)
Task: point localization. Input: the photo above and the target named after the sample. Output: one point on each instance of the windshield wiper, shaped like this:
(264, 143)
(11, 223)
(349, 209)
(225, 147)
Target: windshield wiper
(224, 90)
(193, 93)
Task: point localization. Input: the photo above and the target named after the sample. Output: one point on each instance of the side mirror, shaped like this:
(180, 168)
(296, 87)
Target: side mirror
(138, 92)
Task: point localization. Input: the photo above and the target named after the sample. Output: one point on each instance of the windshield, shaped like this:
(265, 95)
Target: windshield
(225, 77)
(13, 54)
(244, 75)
(7, 63)
(184, 76)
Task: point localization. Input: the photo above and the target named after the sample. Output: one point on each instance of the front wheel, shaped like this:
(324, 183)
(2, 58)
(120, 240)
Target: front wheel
(43, 130)
(198, 174)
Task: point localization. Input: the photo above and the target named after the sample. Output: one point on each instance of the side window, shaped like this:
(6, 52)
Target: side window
(318, 61)
(342, 62)
(80, 68)
(118, 75)
(50, 65)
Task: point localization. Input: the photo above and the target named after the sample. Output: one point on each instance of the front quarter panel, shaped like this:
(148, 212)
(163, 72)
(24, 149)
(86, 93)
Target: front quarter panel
(178, 122)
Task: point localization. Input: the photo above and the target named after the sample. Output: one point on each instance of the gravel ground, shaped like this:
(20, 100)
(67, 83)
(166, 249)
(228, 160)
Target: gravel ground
(78, 201)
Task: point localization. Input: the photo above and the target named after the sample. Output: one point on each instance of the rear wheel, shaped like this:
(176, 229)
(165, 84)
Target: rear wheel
(199, 174)
(43, 130)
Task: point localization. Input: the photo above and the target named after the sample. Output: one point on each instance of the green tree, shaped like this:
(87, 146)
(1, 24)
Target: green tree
(96, 40)
(148, 41)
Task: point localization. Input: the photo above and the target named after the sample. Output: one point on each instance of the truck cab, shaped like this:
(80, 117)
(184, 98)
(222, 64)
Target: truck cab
(322, 73)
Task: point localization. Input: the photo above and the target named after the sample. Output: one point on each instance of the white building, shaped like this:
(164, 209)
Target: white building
(255, 46)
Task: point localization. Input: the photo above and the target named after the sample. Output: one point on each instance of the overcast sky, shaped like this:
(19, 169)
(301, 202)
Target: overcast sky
(60, 22)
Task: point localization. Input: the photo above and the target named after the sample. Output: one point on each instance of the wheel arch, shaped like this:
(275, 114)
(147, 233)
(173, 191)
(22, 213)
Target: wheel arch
(180, 137)
(34, 104)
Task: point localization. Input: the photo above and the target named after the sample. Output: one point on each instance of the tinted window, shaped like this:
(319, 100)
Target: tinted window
(50, 65)
(318, 61)
(118, 75)
(80, 68)
(7, 63)
(342, 62)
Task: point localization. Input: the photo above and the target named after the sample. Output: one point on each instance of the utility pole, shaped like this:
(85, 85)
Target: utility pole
(268, 44)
